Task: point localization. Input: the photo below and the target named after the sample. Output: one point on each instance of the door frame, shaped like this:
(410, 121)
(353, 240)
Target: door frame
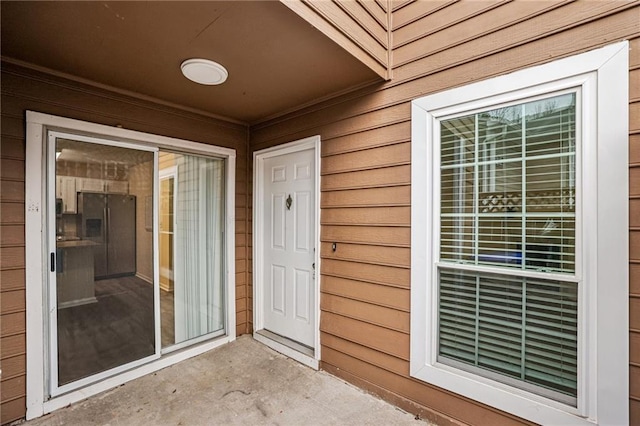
(164, 174)
(39, 400)
(55, 389)
(259, 157)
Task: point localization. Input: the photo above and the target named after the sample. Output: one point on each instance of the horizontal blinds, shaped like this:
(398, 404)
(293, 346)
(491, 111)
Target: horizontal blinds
(508, 186)
(521, 328)
(507, 200)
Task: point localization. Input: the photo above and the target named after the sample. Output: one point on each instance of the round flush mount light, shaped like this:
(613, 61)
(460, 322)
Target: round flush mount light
(204, 71)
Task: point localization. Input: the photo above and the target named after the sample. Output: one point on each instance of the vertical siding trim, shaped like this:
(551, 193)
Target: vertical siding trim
(247, 245)
(390, 45)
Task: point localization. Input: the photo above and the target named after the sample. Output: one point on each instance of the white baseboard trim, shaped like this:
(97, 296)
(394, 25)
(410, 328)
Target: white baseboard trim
(144, 278)
(77, 302)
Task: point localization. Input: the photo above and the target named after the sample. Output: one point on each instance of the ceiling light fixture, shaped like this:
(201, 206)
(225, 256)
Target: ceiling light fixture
(204, 71)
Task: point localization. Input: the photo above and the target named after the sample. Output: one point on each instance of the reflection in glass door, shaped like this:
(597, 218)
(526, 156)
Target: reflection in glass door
(102, 295)
(192, 198)
(167, 248)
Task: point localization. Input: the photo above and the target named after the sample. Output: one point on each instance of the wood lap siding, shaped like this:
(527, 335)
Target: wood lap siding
(29, 90)
(12, 272)
(361, 27)
(366, 172)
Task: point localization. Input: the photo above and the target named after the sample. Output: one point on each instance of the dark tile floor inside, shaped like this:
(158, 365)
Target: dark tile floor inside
(115, 330)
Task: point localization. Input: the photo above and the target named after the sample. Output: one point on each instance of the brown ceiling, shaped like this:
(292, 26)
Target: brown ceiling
(276, 60)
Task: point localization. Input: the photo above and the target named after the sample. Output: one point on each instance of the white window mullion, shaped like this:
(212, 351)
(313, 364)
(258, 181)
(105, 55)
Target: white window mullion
(523, 332)
(477, 328)
(476, 191)
(523, 209)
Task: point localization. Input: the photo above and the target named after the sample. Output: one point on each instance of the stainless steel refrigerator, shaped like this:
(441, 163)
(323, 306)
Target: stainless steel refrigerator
(109, 220)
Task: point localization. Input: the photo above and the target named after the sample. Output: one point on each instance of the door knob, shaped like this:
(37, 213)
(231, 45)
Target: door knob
(289, 202)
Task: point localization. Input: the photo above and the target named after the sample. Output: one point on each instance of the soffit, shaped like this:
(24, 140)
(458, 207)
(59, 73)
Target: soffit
(276, 60)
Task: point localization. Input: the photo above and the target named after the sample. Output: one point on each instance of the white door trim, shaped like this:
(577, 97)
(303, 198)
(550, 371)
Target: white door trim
(312, 142)
(38, 399)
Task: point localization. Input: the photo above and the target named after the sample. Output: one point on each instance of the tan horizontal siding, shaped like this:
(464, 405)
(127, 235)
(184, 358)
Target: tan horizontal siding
(371, 356)
(366, 139)
(377, 11)
(16, 364)
(358, 371)
(374, 28)
(12, 279)
(517, 51)
(391, 155)
(432, 18)
(12, 410)
(377, 315)
(12, 301)
(351, 117)
(375, 294)
(372, 235)
(373, 336)
(367, 272)
(11, 235)
(12, 388)
(387, 196)
(406, 12)
(399, 257)
(376, 178)
(399, 216)
(12, 212)
(24, 89)
(366, 175)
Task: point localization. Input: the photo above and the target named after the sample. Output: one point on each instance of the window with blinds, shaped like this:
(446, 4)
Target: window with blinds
(507, 202)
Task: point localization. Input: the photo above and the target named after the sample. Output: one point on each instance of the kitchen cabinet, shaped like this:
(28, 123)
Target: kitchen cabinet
(74, 275)
(90, 185)
(66, 190)
(117, 186)
(101, 185)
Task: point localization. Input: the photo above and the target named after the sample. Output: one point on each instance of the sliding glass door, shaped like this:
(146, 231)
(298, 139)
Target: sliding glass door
(192, 207)
(102, 283)
(137, 245)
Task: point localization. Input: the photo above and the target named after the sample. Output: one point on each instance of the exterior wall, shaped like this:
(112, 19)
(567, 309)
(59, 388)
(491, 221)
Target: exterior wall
(361, 27)
(28, 90)
(366, 152)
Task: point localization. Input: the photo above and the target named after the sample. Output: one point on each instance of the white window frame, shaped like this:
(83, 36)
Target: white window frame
(602, 258)
(39, 400)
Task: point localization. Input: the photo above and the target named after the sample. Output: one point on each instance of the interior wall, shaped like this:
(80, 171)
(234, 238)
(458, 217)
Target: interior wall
(24, 89)
(365, 172)
(142, 188)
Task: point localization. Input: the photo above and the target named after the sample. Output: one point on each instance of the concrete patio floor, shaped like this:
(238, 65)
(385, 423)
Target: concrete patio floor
(241, 383)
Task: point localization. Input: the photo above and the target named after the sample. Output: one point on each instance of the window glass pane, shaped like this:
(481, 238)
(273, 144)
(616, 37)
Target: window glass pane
(457, 144)
(499, 134)
(457, 190)
(550, 243)
(193, 305)
(550, 125)
(104, 273)
(499, 241)
(515, 198)
(523, 329)
(457, 239)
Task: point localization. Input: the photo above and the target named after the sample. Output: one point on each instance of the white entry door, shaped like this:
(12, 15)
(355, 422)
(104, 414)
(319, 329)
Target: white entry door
(288, 246)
